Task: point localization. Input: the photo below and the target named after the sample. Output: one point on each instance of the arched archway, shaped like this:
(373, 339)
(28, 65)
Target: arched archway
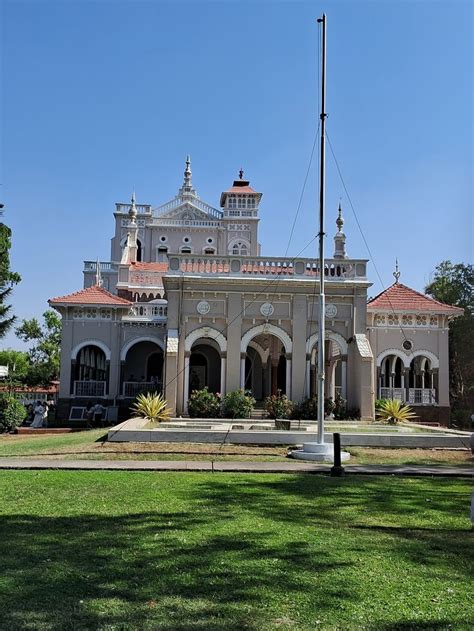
(142, 362)
(423, 379)
(266, 361)
(90, 370)
(336, 350)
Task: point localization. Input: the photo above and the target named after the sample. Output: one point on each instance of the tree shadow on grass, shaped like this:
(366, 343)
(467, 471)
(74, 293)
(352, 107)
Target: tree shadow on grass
(149, 571)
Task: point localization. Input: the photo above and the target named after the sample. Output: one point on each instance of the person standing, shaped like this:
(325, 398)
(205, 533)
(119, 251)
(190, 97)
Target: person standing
(39, 415)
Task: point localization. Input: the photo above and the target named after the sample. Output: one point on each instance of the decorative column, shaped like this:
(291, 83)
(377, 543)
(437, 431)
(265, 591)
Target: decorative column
(308, 376)
(332, 380)
(187, 357)
(242, 370)
(406, 382)
(344, 377)
(288, 375)
(223, 363)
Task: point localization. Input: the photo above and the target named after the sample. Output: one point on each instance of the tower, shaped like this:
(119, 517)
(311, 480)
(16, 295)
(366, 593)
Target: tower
(240, 206)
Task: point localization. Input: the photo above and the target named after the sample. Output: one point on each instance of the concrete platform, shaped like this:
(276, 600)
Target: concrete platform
(137, 430)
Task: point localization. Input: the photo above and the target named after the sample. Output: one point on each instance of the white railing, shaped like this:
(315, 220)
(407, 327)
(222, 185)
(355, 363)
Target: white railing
(266, 266)
(422, 396)
(196, 223)
(193, 201)
(236, 213)
(89, 389)
(393, 393)
(105, 266)
(132, 388)
(147, 312)
(141, 208)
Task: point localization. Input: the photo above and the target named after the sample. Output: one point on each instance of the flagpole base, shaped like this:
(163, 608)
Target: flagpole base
(318, 452)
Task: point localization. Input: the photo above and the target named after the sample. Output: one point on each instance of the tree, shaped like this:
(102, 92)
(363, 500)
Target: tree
(44, 353)
(453, 283)
(7, 280)
(18, 363)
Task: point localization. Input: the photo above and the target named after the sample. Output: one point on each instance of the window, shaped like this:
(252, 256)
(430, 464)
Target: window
(251, 202)
(232, 201)
(241, 202)
(240, 249)
(209, 251)
(185, 250)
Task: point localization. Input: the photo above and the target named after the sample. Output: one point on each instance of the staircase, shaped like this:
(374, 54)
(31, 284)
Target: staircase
(258, 413)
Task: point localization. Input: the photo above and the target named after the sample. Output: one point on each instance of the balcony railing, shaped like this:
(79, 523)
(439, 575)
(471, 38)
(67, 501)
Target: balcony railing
(105, 266)
(90, 389)
(147, 312)
(422, 396)
(196, 223)
(398, 394)
(416, 396)
(132, 388)
(193, 200)
(141, 208)
(334, 269)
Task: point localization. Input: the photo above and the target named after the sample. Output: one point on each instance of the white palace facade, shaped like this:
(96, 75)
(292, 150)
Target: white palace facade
(187, 301)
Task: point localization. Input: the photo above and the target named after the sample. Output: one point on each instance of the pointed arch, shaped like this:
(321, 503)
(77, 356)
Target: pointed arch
(136, 340)
(269, 329)
(204, 332)
(103, 347)
(330, 335)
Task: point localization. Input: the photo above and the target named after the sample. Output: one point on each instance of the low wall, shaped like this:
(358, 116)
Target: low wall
(134, 431)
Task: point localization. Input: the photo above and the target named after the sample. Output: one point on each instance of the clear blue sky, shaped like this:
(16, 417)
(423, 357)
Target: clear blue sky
(99, 98)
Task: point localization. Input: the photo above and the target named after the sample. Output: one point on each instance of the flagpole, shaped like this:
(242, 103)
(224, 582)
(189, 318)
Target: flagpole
(322, 305)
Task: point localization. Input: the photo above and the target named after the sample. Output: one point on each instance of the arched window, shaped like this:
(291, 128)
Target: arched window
(240, 249)
(209, 251)
(185, 250)
(90, 364)
(232, 201)
(162, 254)
(139, 250)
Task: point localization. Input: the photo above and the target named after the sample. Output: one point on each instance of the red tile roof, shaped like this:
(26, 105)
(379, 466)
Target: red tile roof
(240, 189)
(94, 295)
(399, 297)
(149, 267)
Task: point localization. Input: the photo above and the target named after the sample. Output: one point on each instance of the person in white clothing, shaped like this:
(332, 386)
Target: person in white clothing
(39, 415)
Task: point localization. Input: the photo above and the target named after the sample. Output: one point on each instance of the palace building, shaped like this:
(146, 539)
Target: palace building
(187, 300)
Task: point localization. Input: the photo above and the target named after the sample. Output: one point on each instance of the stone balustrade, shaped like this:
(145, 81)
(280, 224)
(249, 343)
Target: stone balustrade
(147, 312)
(194, 201)
(105, 266)
(335, 270)
(195, 223)
(89, 389)
(141, 208)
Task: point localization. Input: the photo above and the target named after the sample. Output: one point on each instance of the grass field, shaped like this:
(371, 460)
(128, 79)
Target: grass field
(92, 445)
(173, 551)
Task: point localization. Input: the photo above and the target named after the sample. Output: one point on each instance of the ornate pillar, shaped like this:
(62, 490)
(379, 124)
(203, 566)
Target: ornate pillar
(187, 357)
(308, 376)
(288, 375)
(223, 367)
(242, 370)
(344, 377)
(406, 383)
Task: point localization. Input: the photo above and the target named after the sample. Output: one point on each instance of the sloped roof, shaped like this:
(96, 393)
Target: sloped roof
(399, 297)
(94, 295)
(149, 267)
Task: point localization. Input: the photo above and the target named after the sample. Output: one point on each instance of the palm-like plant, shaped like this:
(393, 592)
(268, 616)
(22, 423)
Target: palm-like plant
(392, 411)
(152, 406)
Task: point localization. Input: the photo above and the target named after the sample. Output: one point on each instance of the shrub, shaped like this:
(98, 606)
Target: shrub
(237, 404)
(204, 404)
(152, 406)
(12, 413)
(340, 407)
(308, 409)
(278, 406)
(392, 412)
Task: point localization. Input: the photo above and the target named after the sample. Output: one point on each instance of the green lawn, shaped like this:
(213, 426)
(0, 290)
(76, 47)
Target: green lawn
(93, 445)
(173, 551)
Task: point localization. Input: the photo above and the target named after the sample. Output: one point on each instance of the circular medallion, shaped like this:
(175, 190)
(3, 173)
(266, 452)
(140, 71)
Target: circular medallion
(203, 307)
(267, 309)
(331, 311)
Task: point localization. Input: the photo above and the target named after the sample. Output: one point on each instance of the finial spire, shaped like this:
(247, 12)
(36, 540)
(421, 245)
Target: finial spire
(340, 237)
(340, 219)
(98, 275)
(132, 213)
(241, 174)
(396, 273)
(187, 173)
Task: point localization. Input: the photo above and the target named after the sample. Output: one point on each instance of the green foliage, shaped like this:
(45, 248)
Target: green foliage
(204, 404)
(45, 351)
(453, 283)
(392, 412)
(152, 406)
(308, 409)
(279, 406)
(237, 404)
(7, 280)
(12, 413)
(18, 363)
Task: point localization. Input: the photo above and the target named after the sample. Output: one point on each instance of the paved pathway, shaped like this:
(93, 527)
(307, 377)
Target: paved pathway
(231, 466)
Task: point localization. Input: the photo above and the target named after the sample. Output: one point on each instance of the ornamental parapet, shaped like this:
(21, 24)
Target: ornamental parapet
(336, 270)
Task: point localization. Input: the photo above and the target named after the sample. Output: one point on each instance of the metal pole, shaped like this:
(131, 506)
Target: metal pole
(321, 329)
